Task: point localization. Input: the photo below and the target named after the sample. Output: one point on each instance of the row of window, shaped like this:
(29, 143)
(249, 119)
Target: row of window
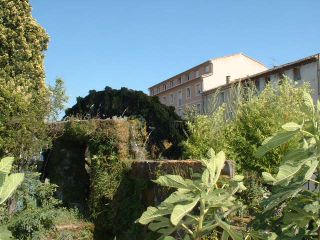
(189, 94)
(172, 83)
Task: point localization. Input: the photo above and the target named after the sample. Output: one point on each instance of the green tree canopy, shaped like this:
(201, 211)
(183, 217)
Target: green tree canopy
(23, 42)
(24, 98)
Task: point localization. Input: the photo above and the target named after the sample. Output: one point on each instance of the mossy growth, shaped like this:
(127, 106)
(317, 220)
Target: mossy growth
(87, 163)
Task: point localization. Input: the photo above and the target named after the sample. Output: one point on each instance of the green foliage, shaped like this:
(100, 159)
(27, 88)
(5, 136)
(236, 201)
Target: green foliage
(32, 208)
(205, 131)
(198, 206)
(23, 42)
(32, 223)
(8, 182)
(162, 122)
(58, 99)
(24, 100)
(299, 211)
(254, 117)
(256, 191)
(36, 213)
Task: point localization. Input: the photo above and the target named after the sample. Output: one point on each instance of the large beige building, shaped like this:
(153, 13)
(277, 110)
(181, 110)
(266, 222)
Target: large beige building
(196, 86)
(306, 70)
(186, 89)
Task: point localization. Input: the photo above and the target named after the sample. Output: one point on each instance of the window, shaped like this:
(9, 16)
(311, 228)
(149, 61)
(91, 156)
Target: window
(281, 77)
(164, 87)
(207, 69)
(158, 89)
(171, 98)
(267, 80)
(198, 89)
(222, 97)
(296, 74)
(257, 84)
(183, 78)
(179, 80)
(227, 79)
(190, 76)
(171, 83)
(198, 108)
(151, 92)
(180, 112)
(197, 74)
(164, 99)
(180, 98)
(188, 92)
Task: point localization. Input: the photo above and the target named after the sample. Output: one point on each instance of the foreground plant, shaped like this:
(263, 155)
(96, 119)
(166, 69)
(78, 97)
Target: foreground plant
(8, 182)
(293, 210)
(199, 206)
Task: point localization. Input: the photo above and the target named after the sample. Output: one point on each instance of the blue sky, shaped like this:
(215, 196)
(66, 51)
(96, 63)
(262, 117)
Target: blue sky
(137, 43)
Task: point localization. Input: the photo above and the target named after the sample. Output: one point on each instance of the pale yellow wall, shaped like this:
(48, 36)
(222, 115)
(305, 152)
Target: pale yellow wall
(235, 66)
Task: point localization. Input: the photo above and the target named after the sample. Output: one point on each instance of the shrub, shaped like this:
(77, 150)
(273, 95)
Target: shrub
(255, 117)
(292, 210)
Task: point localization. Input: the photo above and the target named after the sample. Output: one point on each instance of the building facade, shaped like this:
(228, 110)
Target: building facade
(186, 89)
(197, 86)
(306, 70)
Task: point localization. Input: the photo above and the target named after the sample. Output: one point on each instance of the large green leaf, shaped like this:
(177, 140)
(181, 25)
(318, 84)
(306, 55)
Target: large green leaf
(6, 164)
(275, 141)
(308, 106)
(10, 184)
(151, 214)
(219, 160)
(175, 181)
(179, 211)
(179, 196)
(235, 235)
(289, 170)
(291, 126)
(169, 238)
(283, 193)
(161, 222)
(261, 235)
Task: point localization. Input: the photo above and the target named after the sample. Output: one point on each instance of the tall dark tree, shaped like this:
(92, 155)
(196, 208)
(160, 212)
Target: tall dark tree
(164, 125)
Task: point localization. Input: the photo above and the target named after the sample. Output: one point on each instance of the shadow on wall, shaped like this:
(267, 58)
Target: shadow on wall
(66, 167)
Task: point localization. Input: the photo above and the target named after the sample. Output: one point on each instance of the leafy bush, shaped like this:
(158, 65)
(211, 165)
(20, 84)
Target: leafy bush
(32, 223)
(254, 117)
(297, 208)
(198, 206)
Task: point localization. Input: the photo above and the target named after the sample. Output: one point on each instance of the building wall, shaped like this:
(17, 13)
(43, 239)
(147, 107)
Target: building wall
(235, 66)
(171, 96)
(308, 74)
